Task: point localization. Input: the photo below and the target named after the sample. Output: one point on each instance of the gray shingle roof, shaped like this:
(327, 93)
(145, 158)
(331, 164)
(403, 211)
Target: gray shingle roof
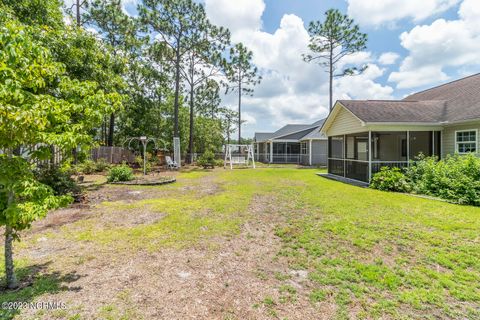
(315, 134)
(462, 98)
(395, 111)
(290, 129)
(262, 136)
(451, 102)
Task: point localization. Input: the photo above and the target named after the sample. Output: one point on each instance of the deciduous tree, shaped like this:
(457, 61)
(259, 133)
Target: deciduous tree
(39, 106)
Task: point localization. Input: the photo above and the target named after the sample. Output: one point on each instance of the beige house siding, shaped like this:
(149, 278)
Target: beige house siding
(345, 123)
(448, 137)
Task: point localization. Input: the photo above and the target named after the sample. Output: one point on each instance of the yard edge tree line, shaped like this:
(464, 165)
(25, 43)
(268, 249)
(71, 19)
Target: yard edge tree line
(64, 86)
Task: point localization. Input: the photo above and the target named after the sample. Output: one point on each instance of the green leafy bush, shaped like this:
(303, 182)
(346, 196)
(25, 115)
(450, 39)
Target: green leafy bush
(390, 179)
(59, 180)
(207, 159)
(87, 167)
(102, 165)
(120, 173)
(148, 164)
(455, 178)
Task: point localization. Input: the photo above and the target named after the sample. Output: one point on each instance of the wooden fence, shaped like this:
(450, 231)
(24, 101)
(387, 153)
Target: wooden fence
(113, 155)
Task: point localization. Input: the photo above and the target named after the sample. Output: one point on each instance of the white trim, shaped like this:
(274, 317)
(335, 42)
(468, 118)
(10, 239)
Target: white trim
(408, 146)
(410, 123)
(285, 140)
(457, 143)
(369, 156)
(331, 117)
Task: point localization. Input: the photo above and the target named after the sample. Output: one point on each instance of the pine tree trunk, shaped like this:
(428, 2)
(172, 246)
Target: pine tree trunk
(9, 270)
(177, 92)
(190, 142)
(111, 129)
(331, 78)
(239, 112)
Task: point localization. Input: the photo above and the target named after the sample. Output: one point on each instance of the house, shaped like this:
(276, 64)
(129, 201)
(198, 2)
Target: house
(365, 135)
(294, 143)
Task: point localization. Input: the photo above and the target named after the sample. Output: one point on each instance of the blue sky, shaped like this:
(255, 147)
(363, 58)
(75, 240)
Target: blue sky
(413, 45)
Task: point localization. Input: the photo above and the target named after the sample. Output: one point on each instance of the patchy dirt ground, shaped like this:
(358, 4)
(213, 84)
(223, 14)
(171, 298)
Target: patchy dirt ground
(240, 276)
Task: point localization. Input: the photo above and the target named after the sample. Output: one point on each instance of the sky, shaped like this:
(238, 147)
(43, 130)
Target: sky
(412, 45)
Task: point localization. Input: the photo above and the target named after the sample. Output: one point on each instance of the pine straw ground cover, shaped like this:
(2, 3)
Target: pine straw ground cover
(253, 244)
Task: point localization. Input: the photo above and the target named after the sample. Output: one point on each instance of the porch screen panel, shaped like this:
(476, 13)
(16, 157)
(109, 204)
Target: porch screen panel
(421, 142)
(335, 156)
(389, 146)
(357, 170)
(336, 167)
(335, 147)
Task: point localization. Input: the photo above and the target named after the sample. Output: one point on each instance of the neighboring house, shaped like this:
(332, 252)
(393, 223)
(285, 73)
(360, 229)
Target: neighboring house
(369, 134)
(293, 143)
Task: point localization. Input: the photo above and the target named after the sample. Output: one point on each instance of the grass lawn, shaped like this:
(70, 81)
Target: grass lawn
(279, 243)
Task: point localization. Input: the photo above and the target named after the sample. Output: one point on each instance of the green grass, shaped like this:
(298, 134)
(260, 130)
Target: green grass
(185, 217)
(373, 254)
(393, 254)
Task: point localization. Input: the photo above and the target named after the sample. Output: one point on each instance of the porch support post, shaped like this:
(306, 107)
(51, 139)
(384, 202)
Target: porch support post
(369, 156)
(344, 156)
(408, 148)
(433, 143)
(271, 151)
(441, 145)
(310, 152)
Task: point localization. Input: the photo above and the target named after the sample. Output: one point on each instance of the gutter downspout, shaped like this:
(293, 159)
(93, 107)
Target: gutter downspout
(271, 151)
(310, 152)
(369, 156)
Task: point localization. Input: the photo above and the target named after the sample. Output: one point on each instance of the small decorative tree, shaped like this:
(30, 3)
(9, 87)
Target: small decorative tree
(41, 107)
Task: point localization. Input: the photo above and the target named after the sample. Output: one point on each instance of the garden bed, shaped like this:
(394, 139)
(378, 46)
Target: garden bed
(147, 182)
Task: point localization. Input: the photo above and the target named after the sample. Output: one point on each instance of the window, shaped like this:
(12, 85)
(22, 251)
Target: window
(303, 148)
(466, 141)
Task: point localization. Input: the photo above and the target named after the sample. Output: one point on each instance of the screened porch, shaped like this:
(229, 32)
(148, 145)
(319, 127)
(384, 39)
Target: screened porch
(359, 156)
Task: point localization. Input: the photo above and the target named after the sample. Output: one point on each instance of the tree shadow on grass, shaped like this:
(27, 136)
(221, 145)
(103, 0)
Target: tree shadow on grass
(34, 281)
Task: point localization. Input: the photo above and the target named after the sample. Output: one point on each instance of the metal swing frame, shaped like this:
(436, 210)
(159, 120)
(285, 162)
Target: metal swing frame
(231, 160)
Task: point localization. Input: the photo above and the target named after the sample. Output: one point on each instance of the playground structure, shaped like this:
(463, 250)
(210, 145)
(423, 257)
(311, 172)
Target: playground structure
(144, 141)
(235, 155)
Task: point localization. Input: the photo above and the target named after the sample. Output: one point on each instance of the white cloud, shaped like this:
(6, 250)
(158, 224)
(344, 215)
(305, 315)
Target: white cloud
(363, 86)
(238, 16)
(388, 58)
(292, 91)
(376, 12)
(442, 44)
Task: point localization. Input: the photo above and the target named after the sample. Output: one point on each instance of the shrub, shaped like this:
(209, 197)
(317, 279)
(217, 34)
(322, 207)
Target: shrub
(207, 159)
(87, 167)
(148, 164)
(120, 173)
(59, 180)
(102, 165)
(455, 178)
(390, 179)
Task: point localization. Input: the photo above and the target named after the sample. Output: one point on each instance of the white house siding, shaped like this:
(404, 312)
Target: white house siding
(448, 136)
(319, 152)
(344, 123)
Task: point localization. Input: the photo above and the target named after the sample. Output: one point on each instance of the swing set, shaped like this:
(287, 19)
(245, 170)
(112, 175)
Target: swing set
(239, 154)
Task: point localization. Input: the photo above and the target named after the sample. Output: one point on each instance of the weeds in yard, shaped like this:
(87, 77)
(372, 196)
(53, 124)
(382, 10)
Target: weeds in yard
(371, 254)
